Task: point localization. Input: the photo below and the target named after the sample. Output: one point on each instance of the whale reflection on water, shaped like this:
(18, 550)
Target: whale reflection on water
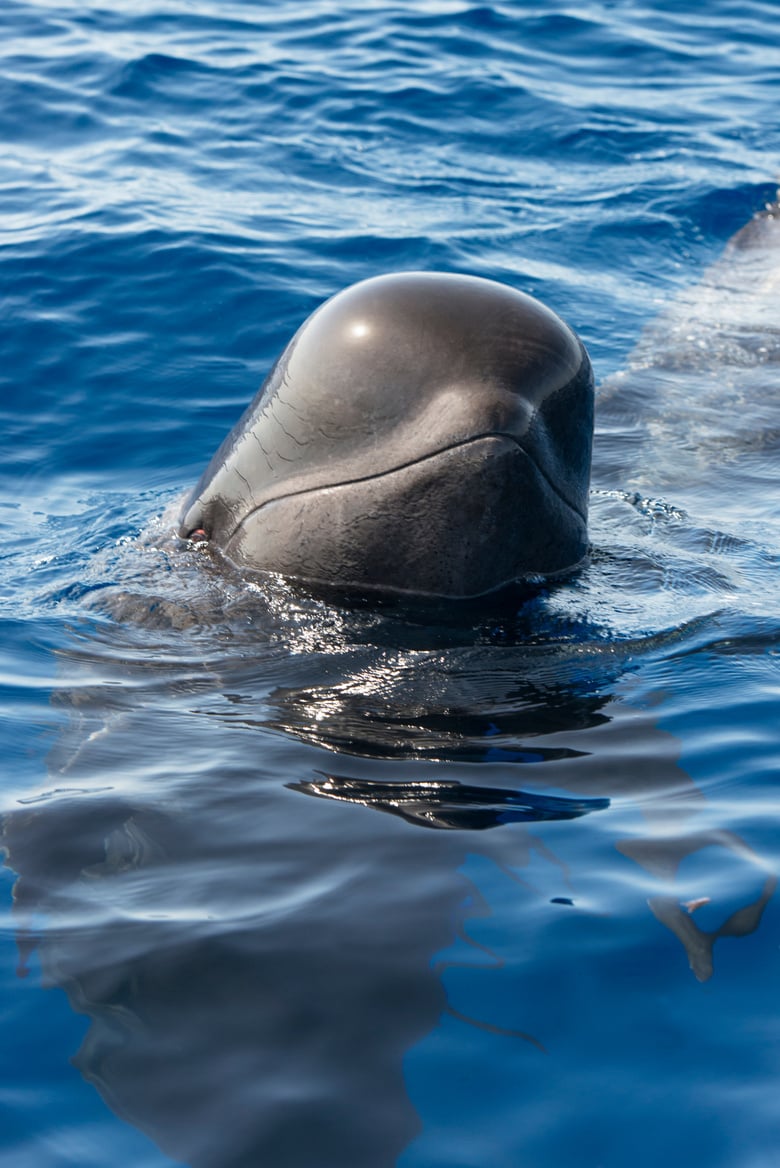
(255, 965)
(449, 805)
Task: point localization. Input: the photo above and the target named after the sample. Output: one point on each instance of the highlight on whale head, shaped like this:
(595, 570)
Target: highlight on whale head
(423, 434)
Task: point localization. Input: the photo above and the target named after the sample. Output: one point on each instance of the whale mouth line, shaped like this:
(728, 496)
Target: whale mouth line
(506, 438)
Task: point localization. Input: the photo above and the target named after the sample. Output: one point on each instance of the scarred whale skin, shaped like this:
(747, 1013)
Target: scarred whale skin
(422, 433)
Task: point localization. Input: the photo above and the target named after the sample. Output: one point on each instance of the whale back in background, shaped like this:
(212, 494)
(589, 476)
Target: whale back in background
(694, 415)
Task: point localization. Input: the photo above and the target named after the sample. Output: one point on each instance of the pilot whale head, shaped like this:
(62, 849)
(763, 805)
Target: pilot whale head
(422, 434)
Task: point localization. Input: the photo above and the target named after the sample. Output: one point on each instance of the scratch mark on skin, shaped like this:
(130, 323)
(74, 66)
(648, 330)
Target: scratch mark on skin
(246, 483)
(335, 437)
(288, 404)
(266, 455)
(286, 432)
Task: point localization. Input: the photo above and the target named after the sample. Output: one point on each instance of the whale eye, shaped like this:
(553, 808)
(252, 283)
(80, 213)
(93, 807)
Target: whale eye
(198, 535)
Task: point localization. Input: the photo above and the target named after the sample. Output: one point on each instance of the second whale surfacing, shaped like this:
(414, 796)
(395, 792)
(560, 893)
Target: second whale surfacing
(422, 434)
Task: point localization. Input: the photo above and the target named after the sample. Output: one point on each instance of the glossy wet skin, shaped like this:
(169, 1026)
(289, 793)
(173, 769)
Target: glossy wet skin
(422, 434)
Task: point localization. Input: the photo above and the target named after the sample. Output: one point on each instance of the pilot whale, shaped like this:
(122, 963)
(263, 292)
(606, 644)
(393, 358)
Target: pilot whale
(422, 433)
(260, 971)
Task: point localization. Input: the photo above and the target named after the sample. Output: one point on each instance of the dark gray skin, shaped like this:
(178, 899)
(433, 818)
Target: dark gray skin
(422, 434)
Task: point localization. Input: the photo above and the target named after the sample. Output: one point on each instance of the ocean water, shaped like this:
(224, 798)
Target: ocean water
(559, 944)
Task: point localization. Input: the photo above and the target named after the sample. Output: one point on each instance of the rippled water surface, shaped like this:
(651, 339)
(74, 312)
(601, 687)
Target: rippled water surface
(292, 884)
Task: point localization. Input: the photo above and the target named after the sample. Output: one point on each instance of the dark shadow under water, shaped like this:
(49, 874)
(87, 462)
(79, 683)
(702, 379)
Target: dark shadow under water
(255, 965)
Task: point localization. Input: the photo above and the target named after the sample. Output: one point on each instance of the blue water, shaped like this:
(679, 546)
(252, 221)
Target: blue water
(214, 950)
